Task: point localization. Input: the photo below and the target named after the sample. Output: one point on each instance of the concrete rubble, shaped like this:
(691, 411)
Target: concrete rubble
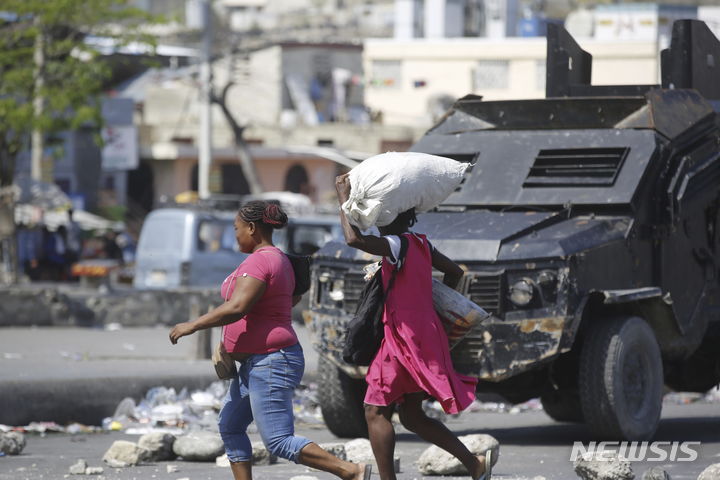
(655, 473)
(159, 445)
(712, 472)
(261, 455)
(12, 443)
(124, 454)
(81, 468)
(604, 466)
(335, 448)
(360, 451)
(436, 461)
(78, 468)
(199, 446)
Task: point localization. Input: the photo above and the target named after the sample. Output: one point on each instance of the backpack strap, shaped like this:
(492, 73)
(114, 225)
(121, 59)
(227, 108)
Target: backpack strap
(404, 243)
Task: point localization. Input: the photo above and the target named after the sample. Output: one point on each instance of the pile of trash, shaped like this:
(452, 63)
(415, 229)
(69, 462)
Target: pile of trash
(166, 410)
(684, 398)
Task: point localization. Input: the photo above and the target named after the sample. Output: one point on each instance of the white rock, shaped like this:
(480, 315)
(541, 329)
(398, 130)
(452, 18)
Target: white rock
(436, 461)
(712, 472)
(359, 450)
(94, 471)
(261, 455)
(78, 468)
(199, 446)
(222, 461)
(124, 454)
(171, 468)
(606, 466)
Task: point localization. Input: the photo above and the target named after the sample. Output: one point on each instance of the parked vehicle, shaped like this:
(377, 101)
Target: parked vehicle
(185, 247)
(197, 248)
(589, 225)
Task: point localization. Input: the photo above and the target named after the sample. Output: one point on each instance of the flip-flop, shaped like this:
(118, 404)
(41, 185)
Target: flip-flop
(367, 472)
(488, 466)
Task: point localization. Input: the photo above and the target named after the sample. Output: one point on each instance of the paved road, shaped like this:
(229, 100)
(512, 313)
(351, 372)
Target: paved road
(49, 353)
(81, 374)
(531, 445)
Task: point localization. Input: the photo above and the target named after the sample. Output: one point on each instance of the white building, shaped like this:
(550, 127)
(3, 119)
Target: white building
(405, 78)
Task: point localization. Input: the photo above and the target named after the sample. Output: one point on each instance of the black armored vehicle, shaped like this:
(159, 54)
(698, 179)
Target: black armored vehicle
(589, 226)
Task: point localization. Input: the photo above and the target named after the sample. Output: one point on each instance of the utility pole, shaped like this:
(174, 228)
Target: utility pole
(37, 137)
(205, 141)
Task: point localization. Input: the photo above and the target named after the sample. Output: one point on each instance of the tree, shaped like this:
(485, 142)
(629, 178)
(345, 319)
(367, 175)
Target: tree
(52, 78)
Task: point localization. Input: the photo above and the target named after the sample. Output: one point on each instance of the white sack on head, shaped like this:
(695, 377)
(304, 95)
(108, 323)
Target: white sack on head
(385, 185)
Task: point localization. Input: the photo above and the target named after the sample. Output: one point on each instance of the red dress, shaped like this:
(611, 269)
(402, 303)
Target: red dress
(414, 355)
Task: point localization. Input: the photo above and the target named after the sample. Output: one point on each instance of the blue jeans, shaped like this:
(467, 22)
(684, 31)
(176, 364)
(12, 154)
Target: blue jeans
(263, 391)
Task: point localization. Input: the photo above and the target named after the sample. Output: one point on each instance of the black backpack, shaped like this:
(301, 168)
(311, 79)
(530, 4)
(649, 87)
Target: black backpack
(301, 269)
(366, 330)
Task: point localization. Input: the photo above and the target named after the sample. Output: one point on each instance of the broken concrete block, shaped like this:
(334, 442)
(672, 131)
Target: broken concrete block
(436, 461)
(261, 455)
(78, 468)
(124, 454)
(199, 446)
(655, 473)
(603, 466)
(712, 472)
(160, 446)
(12, 443)
(360, 451)
(335, 448)
(222, 461)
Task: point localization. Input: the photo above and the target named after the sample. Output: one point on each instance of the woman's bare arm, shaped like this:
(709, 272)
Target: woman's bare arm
(453, 272)
(248, 291)
(353, 236)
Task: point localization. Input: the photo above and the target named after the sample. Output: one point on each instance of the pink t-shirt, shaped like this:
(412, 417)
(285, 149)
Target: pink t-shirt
(267, 326)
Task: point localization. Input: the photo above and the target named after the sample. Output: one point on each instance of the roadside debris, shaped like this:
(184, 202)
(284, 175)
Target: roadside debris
(655, 473)
(360, 451)
(603, 466)
(125, 454)
(710, 473)
(81, 468)
(12, 443)
(199, 446)
(159, 445)
(436, 461)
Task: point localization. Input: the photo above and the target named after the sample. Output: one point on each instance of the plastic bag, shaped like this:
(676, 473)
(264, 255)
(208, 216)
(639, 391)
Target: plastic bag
(385, 185)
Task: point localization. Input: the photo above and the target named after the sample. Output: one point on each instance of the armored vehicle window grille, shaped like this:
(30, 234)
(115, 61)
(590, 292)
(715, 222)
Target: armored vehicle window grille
(576, 167)
(485, 291)
(353, 285)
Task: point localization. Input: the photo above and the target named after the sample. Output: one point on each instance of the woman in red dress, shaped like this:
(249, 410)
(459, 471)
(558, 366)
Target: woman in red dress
(414, 358)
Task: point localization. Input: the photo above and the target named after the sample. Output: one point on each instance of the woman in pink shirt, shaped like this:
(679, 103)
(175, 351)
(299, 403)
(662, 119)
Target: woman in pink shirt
(258, 333)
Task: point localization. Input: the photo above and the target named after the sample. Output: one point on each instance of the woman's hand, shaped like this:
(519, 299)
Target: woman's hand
(181, 330)
(342, 186)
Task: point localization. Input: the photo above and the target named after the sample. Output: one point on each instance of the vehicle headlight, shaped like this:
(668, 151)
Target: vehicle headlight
(521, 292)
(336, 291)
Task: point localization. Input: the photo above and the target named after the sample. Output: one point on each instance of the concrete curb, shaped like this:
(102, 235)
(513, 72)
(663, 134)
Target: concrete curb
(86, 400)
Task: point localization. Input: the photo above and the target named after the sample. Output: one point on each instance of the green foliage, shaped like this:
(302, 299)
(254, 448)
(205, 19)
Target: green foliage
(74, 73)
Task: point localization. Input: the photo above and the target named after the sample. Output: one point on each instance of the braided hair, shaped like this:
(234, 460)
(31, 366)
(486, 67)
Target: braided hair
(267, 214)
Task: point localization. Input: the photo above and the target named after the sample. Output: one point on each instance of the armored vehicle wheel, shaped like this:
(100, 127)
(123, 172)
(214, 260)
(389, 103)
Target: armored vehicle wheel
(341, 401)
(621, 379)
(562, 406)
